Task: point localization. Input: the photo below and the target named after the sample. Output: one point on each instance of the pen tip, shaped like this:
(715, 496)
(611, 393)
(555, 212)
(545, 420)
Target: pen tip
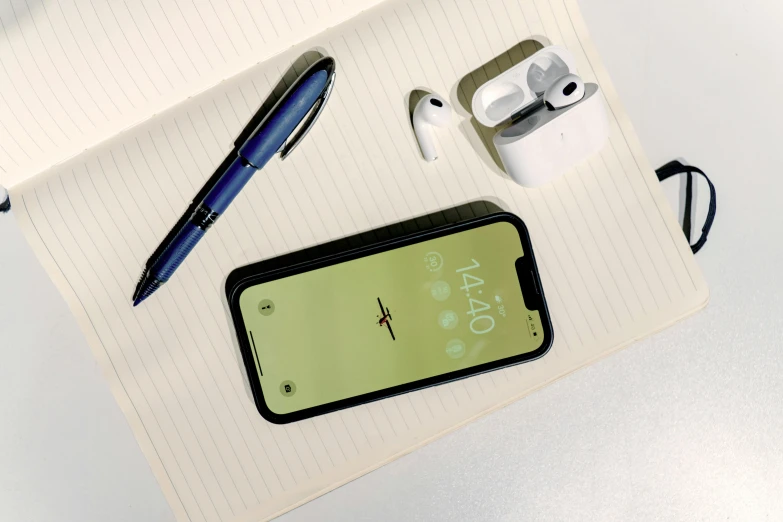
(137, 300)
(145, 290)
(139, 285)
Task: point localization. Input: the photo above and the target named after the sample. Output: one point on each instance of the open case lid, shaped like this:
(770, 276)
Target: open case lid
(512, 91)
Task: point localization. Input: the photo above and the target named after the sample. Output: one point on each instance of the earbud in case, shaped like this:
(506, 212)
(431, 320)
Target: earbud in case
(541, 144)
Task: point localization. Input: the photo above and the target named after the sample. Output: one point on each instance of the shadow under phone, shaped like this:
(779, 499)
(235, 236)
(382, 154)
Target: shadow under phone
(430, 227)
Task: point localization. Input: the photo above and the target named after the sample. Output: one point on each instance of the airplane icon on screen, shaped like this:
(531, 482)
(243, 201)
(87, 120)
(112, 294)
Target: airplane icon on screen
(385, 319)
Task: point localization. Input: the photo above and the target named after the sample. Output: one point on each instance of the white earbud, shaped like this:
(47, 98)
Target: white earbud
(431, 110)
(564, 92)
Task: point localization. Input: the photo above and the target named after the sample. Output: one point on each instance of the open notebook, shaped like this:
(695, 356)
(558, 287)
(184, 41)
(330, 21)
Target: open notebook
(182, 77)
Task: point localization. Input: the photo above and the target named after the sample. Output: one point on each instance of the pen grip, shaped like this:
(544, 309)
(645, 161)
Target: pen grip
(179, 248)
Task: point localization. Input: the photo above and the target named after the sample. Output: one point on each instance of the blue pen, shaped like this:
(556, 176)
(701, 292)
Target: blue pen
(307, 95)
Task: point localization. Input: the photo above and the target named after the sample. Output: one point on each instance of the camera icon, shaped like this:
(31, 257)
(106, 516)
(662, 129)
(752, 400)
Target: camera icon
(288, 388)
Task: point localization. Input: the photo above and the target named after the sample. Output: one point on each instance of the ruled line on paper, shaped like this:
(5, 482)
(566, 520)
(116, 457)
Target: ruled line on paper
(81, 69)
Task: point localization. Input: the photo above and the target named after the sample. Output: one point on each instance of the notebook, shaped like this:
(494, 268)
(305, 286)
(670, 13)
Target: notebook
(114, 113)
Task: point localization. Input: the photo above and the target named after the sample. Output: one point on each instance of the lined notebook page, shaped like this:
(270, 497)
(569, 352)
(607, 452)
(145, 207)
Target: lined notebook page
(615, 265)
(74, 72)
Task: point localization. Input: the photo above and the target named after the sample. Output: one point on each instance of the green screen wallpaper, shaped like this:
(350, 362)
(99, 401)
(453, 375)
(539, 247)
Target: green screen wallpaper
(390, 318)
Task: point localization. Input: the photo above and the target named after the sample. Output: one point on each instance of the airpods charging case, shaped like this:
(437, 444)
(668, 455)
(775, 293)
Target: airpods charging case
(541, 145)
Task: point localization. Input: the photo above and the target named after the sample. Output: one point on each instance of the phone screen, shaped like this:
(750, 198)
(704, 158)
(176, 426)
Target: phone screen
(392, 318)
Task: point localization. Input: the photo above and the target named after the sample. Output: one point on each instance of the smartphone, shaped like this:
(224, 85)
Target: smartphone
(331, 332)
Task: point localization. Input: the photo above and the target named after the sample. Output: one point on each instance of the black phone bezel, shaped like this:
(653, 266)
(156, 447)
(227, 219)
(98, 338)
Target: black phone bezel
(527, 272)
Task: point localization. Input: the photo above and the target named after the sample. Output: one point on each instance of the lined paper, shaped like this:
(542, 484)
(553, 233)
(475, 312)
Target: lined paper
(73, 72)
(615, 265)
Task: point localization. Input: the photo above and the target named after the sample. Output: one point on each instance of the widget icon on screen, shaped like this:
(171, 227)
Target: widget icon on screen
(385, 319)
(440, 290)
(433, 261)
(455, 349)
(448, 319)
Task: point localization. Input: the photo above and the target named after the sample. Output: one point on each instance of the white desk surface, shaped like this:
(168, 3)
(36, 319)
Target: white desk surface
(686, 425)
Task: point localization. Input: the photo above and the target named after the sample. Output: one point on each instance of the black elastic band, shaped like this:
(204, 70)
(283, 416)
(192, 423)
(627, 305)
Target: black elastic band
(672, 169)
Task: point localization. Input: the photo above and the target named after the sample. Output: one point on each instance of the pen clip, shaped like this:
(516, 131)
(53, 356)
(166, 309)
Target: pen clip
(318, 107)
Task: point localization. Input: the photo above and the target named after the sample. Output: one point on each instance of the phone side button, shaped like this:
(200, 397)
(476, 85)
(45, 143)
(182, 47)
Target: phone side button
(255, 352)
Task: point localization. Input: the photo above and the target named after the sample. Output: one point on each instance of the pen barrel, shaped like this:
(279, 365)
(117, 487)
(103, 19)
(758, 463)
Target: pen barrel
(290, 111)
(179, 248)
(230, 184)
